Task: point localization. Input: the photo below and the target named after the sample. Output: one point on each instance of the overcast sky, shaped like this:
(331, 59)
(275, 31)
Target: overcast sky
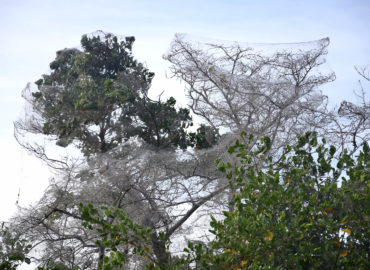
(32, 31)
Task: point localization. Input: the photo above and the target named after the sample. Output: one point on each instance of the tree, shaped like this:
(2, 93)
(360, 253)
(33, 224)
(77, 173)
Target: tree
(97, 99)
(86, 88)
(306, 212)
(302, 213)
(354, 128)
(241, 88)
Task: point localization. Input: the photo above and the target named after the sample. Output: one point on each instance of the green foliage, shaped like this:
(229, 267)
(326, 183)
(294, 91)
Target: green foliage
(93, 87)
(97, 97)
(13, 250)
(117, 235)
(162, 124)
(205, 137)
(302, 213)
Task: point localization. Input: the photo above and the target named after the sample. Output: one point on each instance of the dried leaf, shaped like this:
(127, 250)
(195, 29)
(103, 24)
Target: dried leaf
(269, 237)
(343, 253)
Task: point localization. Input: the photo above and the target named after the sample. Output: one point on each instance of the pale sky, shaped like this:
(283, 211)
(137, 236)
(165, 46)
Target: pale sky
(32, 31)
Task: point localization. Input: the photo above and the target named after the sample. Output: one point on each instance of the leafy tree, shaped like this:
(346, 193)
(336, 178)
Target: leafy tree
(98, 96)
(304, 213)
(86, 89)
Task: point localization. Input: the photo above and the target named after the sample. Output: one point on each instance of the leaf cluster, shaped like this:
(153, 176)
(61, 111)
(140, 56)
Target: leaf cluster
(97, 97)
(117, 234)
(303, 213)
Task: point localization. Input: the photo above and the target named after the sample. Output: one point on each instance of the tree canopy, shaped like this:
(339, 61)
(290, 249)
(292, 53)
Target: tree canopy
(133, 195)
(307, 212)
(97, 96)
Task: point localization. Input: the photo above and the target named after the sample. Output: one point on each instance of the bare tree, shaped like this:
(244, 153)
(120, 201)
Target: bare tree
(348, 125)
(156, 189)
(272, 92)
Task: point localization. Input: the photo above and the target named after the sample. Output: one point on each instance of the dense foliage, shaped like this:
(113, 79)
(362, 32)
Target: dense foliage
(309, 211)
(97, 96)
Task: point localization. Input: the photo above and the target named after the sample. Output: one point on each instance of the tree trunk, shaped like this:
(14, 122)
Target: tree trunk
(159, 248)
(101, 258)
